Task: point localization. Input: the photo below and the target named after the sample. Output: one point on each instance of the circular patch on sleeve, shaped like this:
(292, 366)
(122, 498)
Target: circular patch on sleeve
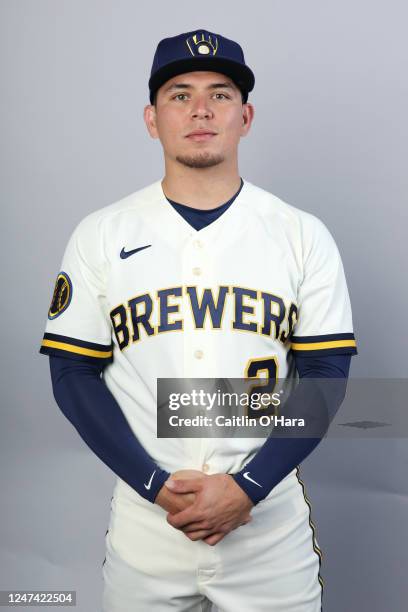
(62, 295)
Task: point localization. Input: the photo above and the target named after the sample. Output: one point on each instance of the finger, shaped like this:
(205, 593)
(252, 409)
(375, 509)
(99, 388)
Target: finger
(198, 526)
(185, 517)
(184, 485)
(200, 534)
(174, 507)
(174, 502)
(188, 474)
(213, 539)
(180, 501)
(209, 525)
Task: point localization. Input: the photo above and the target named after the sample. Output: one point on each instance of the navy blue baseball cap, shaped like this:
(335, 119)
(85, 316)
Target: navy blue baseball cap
(200, 50)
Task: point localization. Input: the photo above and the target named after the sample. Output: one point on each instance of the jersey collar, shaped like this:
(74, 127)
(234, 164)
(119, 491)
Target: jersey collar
(174, 225)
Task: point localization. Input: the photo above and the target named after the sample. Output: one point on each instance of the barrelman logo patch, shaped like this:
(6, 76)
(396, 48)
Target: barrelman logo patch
(62, 295)
(203, 44)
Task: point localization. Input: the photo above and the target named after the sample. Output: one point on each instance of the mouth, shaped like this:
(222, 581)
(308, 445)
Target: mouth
(201, 135)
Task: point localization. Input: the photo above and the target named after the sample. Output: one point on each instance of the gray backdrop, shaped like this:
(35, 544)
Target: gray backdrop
(329, 137)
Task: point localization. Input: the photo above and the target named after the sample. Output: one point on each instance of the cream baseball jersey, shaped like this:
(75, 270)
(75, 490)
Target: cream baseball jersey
(142, 291)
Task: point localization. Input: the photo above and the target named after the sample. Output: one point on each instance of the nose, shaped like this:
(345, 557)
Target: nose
(201, 109)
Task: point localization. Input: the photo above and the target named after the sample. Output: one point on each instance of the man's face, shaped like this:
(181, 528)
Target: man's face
(199, 118)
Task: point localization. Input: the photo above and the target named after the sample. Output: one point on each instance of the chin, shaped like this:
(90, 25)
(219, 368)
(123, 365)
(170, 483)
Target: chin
(204, 159)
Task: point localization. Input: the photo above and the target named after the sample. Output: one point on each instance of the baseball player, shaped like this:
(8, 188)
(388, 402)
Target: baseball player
(200, 275)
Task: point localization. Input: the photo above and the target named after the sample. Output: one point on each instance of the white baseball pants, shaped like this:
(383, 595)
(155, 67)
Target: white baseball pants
(268, 565)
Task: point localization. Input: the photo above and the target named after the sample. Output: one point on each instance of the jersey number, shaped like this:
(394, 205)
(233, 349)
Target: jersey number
(266, 370)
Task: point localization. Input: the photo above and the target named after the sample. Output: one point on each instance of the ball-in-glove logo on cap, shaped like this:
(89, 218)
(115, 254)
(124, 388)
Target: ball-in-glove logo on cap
(202, 44)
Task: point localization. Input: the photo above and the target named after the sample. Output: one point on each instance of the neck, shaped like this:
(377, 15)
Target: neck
(202, 188)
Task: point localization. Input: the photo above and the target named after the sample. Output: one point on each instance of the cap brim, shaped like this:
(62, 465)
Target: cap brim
(239, 73)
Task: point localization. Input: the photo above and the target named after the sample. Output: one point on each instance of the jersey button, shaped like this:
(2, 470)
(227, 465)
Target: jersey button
(198, 244)
(198, 354)
(197, 271)
(205, 467)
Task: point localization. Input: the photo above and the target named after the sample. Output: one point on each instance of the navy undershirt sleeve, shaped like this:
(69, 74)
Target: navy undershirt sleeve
(89, 405)
(313, 400)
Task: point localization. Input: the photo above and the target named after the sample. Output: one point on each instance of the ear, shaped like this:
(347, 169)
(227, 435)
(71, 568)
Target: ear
(248, 112)
(149, 115)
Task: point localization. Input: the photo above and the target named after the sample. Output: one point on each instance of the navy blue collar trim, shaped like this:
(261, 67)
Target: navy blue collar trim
(199, 211)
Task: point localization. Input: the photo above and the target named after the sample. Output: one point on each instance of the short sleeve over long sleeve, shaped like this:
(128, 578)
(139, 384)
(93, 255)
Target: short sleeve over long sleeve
(78, 324)
(324, 324)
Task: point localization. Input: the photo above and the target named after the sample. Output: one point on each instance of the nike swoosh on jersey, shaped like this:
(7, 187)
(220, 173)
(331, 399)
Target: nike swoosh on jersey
(124, 254)
(246, 475)
(149, 484)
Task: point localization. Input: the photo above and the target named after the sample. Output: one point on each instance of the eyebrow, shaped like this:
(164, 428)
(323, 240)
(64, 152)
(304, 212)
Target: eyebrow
(224, 85)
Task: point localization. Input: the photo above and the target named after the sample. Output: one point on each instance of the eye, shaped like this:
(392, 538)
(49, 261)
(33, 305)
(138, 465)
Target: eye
(222, 94)
(177, 97)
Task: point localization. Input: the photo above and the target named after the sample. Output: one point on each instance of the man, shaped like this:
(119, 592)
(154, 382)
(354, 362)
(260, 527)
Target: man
(200, 275)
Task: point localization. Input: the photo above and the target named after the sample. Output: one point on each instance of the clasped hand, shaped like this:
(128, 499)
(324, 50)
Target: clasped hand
(204, 507)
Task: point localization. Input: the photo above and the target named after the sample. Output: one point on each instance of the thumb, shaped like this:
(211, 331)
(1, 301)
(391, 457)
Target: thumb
(183, 485)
